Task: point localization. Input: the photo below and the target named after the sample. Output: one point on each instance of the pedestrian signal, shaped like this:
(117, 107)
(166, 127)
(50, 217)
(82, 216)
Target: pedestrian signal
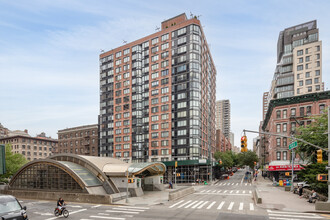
(319, 156)
(322, 177)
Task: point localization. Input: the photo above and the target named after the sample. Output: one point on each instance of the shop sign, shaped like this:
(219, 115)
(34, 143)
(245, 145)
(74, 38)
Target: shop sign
(284, 168)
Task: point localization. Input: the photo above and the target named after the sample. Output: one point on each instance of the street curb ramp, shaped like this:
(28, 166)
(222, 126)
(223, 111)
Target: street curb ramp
(257, 196)
(179, 193)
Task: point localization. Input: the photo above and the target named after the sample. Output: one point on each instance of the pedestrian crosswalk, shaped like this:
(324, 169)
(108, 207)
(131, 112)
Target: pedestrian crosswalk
(282, 215)
(215, 205)
(232, 192)
(233, 184)
(118, 213)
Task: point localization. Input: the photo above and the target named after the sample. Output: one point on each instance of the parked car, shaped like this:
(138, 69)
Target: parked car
(10, 208)
(304, 184)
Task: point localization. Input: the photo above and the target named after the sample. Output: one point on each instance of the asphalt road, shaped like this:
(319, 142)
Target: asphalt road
(229, 199)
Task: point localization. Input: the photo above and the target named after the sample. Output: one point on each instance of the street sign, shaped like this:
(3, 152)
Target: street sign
(293, 145)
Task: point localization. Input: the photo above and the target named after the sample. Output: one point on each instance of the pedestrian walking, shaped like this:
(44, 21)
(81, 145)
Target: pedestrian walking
(170, 185)
(300, 190)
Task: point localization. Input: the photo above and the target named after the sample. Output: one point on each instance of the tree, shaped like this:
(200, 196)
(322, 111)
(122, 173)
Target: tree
(247, 158)
(309, 173)
(13, 163)
(225, 157)
(315, 133)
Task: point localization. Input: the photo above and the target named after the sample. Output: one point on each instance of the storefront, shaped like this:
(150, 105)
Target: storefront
(282, 172)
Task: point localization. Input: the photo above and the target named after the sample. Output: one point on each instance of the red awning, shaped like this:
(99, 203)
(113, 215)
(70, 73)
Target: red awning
(284, 168)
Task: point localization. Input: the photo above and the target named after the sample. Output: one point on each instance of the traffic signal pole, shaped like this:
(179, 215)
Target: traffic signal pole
(328, 167)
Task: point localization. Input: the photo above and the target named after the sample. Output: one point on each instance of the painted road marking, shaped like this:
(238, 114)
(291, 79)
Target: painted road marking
(176, 204)
(210, 206)
(240, 206)
(221, 204)
(230, 207)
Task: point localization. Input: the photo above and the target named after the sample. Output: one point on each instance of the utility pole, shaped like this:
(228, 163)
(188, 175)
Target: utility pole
(328, 153)
(292, 164)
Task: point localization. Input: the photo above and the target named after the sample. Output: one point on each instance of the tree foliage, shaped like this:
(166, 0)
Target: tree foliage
(13, 163)
(315, 133)
(225, 157)
(309, 174)
(247, 158)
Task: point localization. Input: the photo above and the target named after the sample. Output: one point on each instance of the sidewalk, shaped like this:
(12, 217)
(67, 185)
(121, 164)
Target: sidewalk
(151, 197)
(274, 197)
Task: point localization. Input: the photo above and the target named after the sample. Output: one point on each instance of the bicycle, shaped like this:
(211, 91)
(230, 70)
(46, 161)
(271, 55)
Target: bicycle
(64, 212)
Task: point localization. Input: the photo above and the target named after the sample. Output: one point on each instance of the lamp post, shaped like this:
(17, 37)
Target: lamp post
(328, 153)
(127, 173)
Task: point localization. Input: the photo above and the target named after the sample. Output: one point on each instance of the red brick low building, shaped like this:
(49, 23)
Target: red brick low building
(283, 117)
(82, 140)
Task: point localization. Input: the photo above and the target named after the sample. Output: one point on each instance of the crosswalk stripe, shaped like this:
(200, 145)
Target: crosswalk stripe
(210, 206)
(251, 206)
(232, 184)
(214, 191)
(176, 204)
(208, 191)
(230, 207)
(133, 207)
(219, 191)
(237, 191)
(250, 191)
(231, 191)
(225, 191)
(134, 210)
(245, 184)
(197, 204)
(122, 211)
(203, 191)
(296, 213)
(236, 184)
(220, 184)
(184, 204)
(106, 217)
(201, 206)
(293, 216)
(221, 204)
(240, 206)
(243, 191)
(217, 184)
(191, 204)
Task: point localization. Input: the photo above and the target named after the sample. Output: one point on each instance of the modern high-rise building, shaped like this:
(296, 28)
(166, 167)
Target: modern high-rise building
(223, 117)
(299, 61)
(157, 96)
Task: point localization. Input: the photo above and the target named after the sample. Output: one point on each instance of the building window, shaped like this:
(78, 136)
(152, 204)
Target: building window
(285, 112)
(285, 142)
(278, 128)
(309, 82)
(278, 155)
(284, 127)
(308, 74)
(317, 88)
(309, 89)
(284, 155)
(316, 80)
(293, 126)
(300, 52)
(302, 111)
(293, 112)
(301, 83)
(278, 114)
(278, 142)
(300, 67)
(309, 110)
(317, 72)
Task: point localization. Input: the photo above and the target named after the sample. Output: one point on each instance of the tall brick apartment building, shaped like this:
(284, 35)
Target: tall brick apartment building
(157, 100)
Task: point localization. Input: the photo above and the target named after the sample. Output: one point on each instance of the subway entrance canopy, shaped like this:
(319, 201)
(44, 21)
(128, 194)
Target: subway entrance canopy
(81, 174)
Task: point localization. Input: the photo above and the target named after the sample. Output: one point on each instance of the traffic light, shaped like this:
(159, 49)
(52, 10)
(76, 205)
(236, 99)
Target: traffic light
(322, 177)
(319, 156)
(244, 144)
(220, 162)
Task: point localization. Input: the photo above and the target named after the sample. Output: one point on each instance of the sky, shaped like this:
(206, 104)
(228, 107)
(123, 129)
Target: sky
(49, 53)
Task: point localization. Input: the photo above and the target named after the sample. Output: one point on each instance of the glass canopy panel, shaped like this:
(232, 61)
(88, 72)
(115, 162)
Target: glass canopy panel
(83, 173)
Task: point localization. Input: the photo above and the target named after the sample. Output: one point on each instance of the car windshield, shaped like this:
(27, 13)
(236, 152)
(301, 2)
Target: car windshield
(9, 206)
